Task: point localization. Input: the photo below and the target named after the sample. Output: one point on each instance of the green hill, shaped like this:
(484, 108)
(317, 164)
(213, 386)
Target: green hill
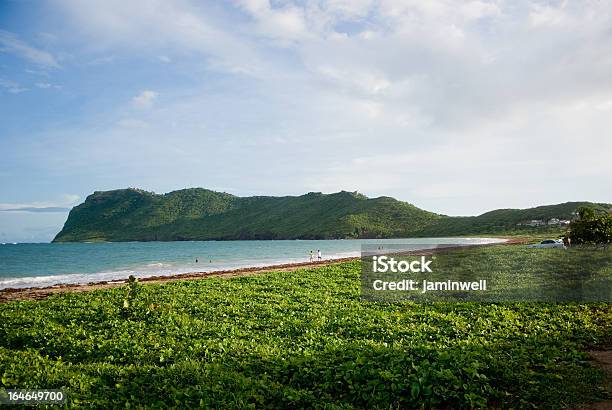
(508, 220)
(201, 214)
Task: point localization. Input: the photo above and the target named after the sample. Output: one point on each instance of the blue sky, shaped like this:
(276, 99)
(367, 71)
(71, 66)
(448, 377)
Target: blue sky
(457, 107)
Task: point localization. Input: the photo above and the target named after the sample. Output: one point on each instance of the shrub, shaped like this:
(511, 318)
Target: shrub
(591, 228)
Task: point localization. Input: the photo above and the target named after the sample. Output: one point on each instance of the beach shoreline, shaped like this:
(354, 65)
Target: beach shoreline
(38, 293)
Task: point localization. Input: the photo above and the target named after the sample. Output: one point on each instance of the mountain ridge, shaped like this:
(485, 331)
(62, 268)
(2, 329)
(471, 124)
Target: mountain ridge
(201, 214)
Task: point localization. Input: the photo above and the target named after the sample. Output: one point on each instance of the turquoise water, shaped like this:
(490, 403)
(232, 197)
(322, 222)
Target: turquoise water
(46, 264)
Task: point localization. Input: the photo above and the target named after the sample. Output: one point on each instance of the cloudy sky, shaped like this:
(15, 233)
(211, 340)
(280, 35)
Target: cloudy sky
(455, 106)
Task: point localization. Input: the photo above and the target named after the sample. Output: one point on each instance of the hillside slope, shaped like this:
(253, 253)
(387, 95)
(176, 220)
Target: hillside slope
(507, 220)
(201, 214)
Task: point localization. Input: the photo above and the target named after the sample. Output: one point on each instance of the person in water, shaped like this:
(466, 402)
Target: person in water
(311, 256)
(319, 257)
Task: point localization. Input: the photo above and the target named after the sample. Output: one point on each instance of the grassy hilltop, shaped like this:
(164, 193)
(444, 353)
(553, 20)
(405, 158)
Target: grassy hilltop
(201, 214)
(506, 220)
(190, 214)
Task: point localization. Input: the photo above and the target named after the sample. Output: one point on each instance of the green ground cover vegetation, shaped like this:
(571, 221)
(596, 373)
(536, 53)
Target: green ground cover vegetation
(301, 339)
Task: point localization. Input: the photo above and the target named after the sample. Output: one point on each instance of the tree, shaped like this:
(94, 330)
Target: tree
(591, 227)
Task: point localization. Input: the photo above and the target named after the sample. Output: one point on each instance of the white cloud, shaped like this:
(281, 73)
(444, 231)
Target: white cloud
(11, 44)
(11, 86)
(132, 123)
(45, 86)
(161, 27)
(343, 93)
(283, 23)
(480, 9)
(42, 73)
(145, 99)
(63, 204)
(547, 16)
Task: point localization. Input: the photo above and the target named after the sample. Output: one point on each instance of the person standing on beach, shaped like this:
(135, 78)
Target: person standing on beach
(311, 256)
(319, 254)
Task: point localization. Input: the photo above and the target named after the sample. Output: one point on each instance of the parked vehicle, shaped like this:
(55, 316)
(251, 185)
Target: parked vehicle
(549, 243)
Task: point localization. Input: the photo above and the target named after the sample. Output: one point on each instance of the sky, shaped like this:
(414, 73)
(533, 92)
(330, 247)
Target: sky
(457, 107)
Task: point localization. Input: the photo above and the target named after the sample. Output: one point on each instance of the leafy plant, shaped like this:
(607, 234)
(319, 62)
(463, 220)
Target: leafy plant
(136, 304)
(130, 296)
(591, 227)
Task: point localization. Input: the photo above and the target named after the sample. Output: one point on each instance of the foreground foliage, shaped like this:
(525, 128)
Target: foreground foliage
(300, 339)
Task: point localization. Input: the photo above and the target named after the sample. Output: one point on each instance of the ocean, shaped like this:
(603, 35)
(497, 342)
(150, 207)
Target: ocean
(46, 264)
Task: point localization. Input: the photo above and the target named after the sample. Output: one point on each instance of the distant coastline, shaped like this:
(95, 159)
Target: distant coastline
(199, 214)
